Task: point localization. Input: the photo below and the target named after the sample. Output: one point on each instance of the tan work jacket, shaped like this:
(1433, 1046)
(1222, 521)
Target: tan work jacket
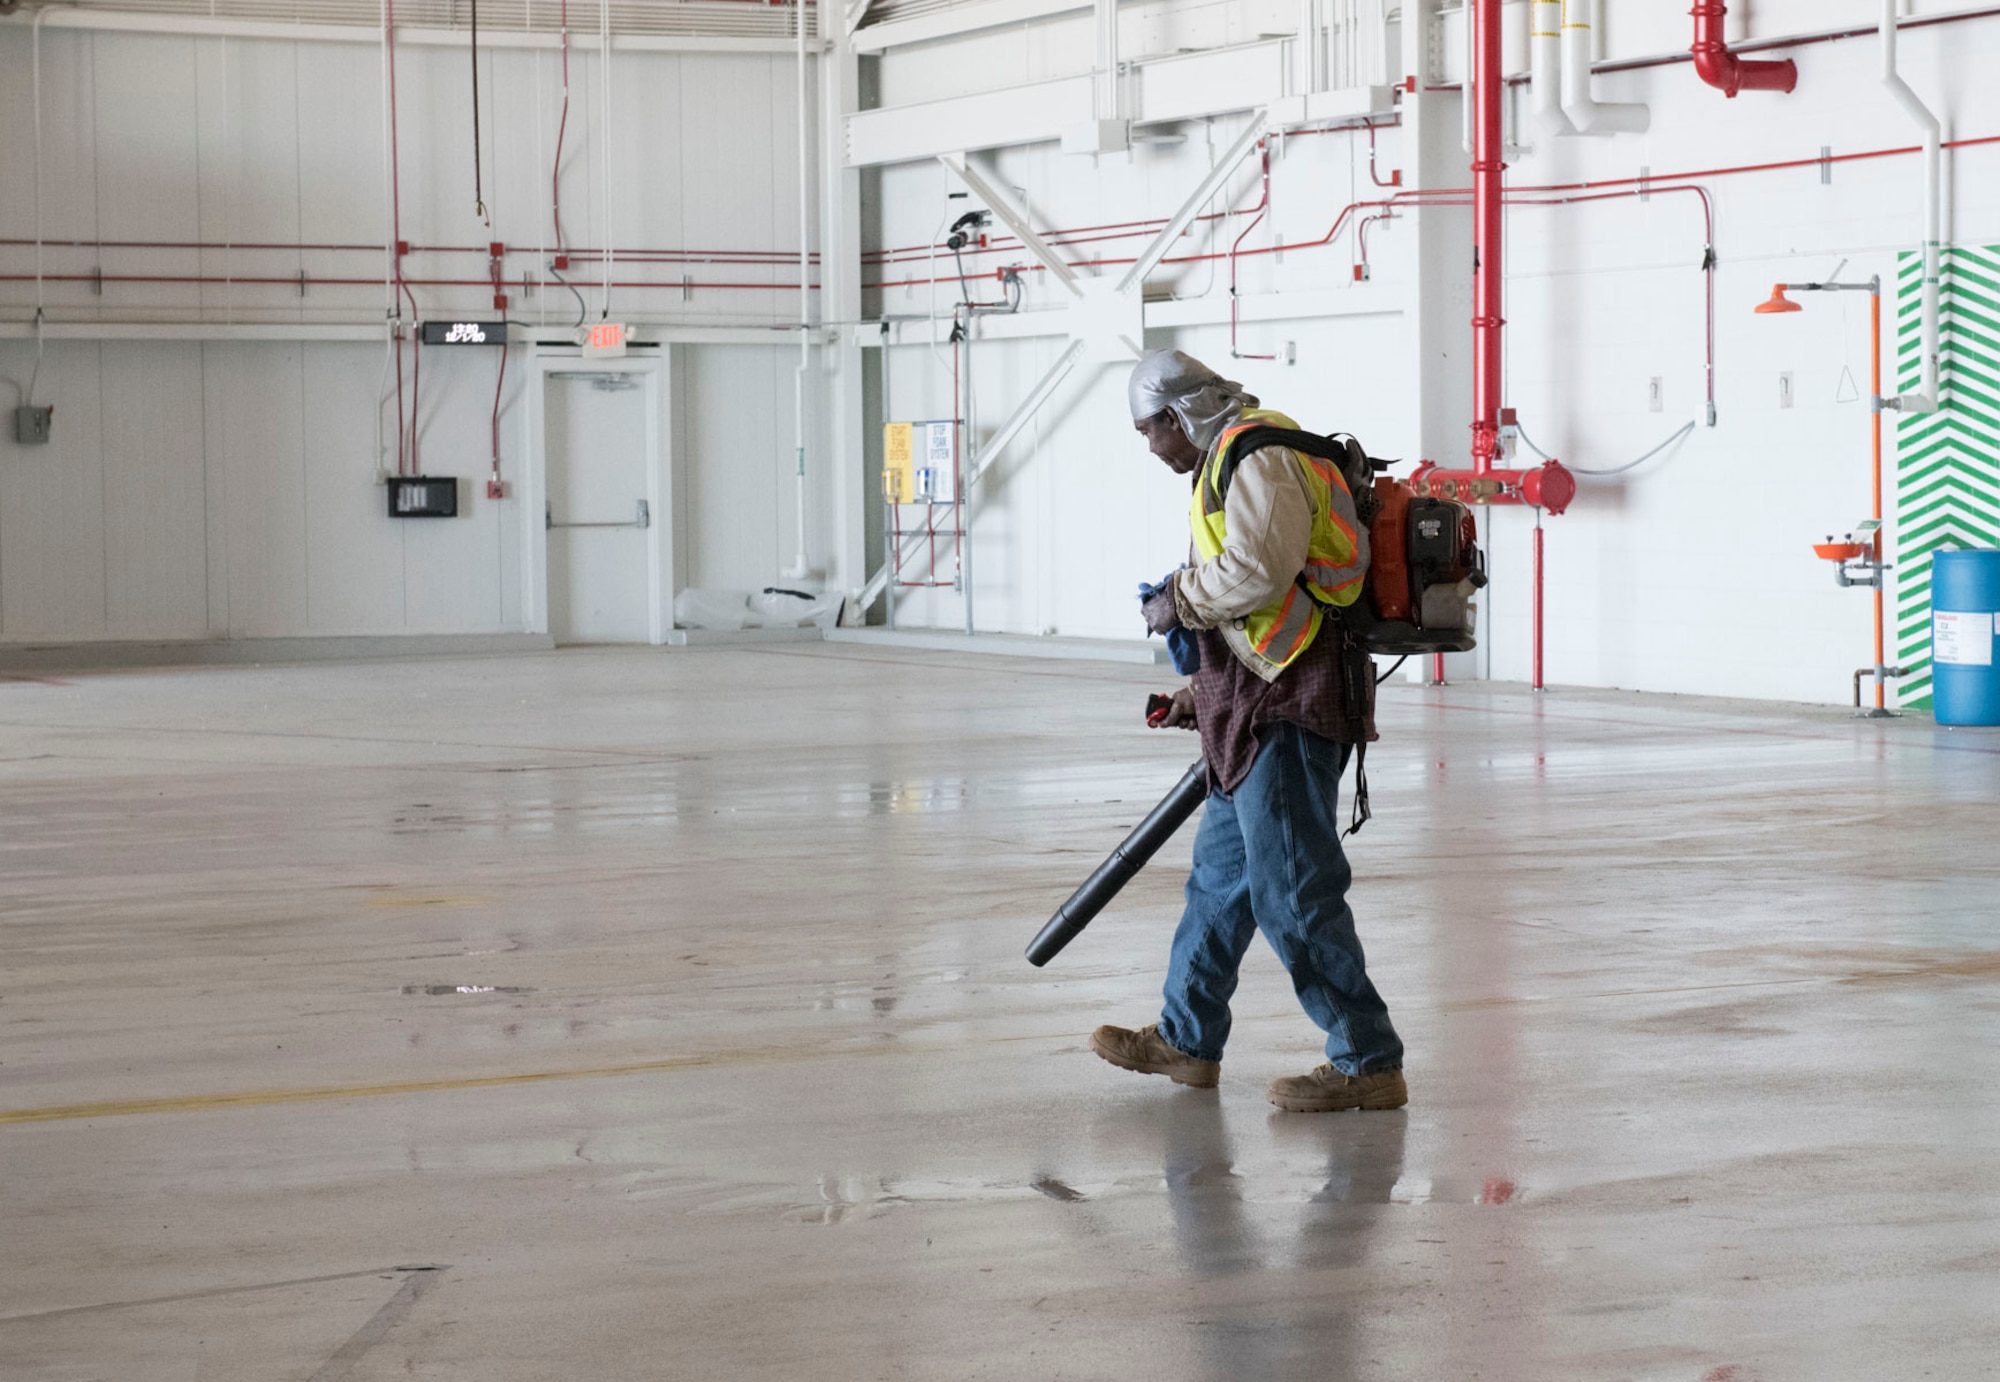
(1269, 519)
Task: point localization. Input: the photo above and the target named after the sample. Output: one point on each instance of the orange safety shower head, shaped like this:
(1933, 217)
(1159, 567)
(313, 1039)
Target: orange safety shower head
(1778, 301)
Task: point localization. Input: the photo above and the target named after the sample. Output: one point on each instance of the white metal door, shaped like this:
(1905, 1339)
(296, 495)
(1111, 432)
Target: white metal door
(598, 516)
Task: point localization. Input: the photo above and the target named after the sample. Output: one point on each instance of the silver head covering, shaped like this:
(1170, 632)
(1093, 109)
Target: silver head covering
(1202, 400)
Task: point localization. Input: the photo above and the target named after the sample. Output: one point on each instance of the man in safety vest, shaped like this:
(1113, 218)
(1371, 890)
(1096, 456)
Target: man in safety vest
(1279, 548)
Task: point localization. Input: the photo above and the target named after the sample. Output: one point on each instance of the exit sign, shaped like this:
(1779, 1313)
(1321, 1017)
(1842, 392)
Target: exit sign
(605, 340)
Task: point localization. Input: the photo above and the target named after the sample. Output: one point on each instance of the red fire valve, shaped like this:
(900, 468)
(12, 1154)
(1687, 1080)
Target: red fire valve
(1550, 488)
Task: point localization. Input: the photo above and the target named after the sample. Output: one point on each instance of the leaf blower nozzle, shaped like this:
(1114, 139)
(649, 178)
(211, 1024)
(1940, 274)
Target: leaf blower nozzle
(1124, 864)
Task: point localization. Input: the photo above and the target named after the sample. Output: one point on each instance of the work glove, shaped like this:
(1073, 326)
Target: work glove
(1156, 603)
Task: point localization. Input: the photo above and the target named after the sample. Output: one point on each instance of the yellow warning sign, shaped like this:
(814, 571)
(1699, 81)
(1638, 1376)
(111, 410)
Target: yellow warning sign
(899, 462)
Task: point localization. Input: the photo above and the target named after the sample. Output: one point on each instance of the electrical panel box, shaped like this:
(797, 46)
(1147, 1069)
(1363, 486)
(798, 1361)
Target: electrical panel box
(444, 333)
(33, 423)
(919, 463)
(423, 496)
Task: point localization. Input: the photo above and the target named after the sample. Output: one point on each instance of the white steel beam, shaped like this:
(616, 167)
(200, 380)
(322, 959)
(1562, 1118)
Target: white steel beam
(1371, 299)
(1032, 114)
(1025, 410)
(960, 19)
(1221, 81)
(1150, 257)
(999, 198)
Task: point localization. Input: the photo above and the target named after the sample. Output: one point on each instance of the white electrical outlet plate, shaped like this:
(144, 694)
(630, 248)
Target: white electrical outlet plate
(1656, 394)
(1785, 389)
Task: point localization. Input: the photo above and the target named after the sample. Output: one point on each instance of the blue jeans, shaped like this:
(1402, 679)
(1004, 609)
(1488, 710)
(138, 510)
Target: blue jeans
(1268, 857)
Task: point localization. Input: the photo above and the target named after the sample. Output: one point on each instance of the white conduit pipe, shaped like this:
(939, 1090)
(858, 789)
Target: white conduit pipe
(35, 60)
(604, 159)
(1927, 400)
(1588, 115)
(801, 566)
(1467, 87)
(392, 339)
(1545, 52)
(1302, 54)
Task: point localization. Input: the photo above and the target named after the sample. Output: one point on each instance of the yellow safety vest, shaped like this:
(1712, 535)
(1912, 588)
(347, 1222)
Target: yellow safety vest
(1336, 561)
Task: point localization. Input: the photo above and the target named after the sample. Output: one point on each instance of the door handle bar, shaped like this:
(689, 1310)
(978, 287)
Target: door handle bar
(644, 519)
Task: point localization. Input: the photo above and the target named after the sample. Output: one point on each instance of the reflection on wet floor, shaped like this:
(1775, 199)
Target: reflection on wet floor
(441, 990)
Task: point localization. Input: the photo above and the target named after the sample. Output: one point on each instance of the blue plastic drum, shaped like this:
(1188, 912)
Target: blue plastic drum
(1965, 612)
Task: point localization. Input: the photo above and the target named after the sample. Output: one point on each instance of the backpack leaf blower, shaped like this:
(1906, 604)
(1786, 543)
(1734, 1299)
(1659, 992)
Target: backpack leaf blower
(1424, 561)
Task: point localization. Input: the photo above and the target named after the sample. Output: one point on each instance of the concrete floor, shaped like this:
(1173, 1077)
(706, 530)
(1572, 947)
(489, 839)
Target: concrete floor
(1701, 1000)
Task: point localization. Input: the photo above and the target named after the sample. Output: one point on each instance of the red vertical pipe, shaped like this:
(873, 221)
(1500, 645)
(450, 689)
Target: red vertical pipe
(1487, 167)
(1538, 605)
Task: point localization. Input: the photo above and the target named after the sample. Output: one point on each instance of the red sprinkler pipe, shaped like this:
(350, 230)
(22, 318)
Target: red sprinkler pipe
(1537, 683)
(1551, 487)
(1722, 69)
(1487, 167)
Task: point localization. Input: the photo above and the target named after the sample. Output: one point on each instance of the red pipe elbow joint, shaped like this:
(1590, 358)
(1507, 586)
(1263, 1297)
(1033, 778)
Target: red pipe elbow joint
(1722, 69)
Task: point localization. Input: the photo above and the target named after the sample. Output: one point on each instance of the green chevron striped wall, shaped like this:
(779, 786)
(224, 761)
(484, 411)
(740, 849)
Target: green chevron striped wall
(1947, 462)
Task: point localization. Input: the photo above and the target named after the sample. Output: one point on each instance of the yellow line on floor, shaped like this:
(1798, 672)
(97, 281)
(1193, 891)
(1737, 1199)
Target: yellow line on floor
(257, 1098)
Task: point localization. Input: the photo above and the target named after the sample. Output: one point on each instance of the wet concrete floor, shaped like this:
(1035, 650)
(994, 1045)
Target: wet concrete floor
(623, 1014)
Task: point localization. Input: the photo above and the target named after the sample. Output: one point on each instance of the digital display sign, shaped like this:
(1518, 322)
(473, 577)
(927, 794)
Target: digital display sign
(465, 333)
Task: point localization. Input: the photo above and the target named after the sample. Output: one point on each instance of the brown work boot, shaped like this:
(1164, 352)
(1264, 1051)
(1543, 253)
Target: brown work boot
(1326, 1090)
(1147, 1052)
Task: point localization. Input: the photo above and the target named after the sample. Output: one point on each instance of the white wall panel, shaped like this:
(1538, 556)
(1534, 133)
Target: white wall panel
(155, 491)
(147, 165)
(354, 575)
(452, 566)
(52, 502)
(69, 192)
(17, 155)
(256, 442)
(728, 108)
(652, 161)
(341, 192)
(733, 419)
(250, 172)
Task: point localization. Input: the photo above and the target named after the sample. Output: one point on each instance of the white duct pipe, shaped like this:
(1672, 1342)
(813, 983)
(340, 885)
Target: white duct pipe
(1927, 400)
(604, 124)
(1468, 89)
(1545, 53)
(1105, 99)
(801, 566)
(1588, 115)
(1302, 55)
